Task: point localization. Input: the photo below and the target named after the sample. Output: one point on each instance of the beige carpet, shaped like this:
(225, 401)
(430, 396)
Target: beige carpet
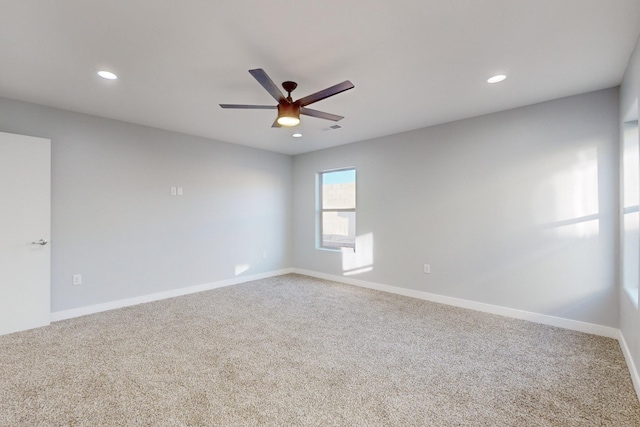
(293, 350)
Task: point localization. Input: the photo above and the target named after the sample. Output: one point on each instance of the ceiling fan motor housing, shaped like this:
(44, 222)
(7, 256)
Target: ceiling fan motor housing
(289, 86)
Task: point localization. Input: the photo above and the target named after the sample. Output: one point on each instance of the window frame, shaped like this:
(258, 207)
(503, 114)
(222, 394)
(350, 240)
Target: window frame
(321, 210)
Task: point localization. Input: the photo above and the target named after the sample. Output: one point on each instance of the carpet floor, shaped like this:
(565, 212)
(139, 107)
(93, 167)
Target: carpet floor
(298, 351)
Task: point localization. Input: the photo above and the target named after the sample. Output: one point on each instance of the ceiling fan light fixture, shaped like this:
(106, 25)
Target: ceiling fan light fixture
(288, 121)
(288, 115)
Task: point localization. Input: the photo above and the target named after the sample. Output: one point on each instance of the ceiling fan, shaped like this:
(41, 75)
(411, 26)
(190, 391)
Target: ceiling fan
(289, 110)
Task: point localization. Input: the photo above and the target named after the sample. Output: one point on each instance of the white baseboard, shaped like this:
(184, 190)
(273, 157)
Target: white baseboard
(112, 305)
(575, 325)
(635, 377)
(457, 302)
(560, 322)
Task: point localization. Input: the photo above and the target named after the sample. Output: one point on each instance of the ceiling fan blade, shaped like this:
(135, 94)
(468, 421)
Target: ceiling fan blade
(276, 124)
(320, 114)
(266, 82)
(249, 107)
(330, 91)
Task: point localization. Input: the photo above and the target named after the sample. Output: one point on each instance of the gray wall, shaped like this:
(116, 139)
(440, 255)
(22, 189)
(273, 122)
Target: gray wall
(516, 209)
(114, 221)
(629, 314)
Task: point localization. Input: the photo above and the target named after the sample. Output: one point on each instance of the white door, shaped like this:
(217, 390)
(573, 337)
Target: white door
(25, 227)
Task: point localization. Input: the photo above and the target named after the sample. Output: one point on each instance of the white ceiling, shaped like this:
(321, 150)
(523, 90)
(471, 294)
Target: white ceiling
(414, 63)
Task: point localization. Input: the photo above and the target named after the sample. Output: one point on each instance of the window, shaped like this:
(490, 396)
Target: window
(337, 213)
(631, 216)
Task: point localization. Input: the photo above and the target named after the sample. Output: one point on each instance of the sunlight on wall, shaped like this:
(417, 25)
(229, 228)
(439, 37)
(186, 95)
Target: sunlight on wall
(581, 228)
(568, 202)
(241, 268)
(361, 260)
(566, 207)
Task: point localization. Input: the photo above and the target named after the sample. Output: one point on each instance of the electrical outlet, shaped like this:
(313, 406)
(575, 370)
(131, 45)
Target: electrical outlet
(173, 191)
(427, 268)
(77, 279)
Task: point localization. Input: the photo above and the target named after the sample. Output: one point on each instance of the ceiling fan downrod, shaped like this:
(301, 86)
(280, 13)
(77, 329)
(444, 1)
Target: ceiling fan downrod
(289, 87)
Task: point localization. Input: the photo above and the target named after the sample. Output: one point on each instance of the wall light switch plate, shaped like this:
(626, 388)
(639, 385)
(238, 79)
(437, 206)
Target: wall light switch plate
(179, 191)
(173, 191)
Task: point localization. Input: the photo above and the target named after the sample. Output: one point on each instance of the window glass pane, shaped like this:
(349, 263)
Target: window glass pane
(631, 165)
(339, 189)
(339, 229)
(630, 253)
(631, 219)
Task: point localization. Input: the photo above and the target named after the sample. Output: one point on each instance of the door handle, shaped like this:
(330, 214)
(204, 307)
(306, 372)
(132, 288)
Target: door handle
(40, 242)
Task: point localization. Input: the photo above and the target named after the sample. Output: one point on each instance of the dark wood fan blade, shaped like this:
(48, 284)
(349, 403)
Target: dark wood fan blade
(250, 107)
(276, 124)
(266, 82)
(320, 114)
(330, 91)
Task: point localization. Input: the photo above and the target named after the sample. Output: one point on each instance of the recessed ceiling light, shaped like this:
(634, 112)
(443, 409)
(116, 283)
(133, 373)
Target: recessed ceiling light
(496, 79)
(297, 135)
(107, 75)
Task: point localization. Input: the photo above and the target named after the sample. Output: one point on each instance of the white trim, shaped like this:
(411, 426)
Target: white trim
(112, 305)
(560, 322)
(575, 325)
(635, 378)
